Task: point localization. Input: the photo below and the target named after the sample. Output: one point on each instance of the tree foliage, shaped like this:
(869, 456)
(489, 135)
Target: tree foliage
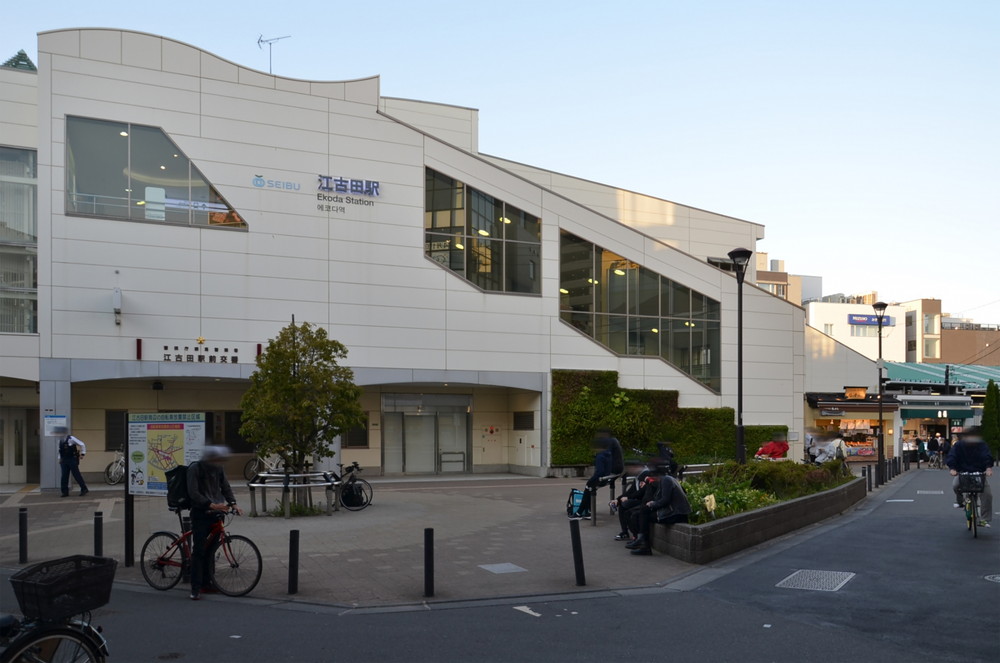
(300, 398)
(991, 417)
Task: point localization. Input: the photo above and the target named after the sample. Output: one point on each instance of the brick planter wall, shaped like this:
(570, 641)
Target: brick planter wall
(701, 544)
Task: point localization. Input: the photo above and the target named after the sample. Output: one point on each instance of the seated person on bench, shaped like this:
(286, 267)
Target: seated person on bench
(670, 505)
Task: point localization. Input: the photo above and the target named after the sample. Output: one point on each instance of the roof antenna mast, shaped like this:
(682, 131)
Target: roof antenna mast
(270, 44)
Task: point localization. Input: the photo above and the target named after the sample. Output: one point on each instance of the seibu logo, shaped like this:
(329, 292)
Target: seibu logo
(261, 183)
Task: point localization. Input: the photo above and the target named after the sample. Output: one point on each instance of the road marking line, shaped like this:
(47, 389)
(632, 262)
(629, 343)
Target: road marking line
(526, 610)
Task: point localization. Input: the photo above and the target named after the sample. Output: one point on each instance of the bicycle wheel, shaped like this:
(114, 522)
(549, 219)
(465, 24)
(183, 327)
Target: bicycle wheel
(163, 560)
(252, 468)
(114, 472)
(361, 498)
(974, 521)
(236, 565)
(53, 645)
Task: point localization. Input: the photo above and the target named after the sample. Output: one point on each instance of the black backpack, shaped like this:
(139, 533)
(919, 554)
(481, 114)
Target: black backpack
(177, 487)
(352, 495)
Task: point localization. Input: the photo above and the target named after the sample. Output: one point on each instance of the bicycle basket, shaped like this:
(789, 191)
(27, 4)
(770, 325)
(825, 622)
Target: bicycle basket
(971, 483)
(64, 587)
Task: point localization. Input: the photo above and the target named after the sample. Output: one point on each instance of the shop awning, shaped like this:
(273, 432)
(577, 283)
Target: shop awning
(926, 413)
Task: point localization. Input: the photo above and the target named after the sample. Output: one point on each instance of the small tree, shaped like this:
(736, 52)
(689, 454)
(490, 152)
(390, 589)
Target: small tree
(991, 417)
(300, 398)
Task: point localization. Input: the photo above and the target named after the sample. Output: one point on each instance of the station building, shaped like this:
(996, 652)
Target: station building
(165, 212)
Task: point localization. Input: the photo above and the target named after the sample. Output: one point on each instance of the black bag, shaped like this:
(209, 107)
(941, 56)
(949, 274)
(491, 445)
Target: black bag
(352, 495)
(574, 505)
(177, 488)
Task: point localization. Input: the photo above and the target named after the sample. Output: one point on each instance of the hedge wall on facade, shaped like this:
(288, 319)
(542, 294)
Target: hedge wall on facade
(585, 401)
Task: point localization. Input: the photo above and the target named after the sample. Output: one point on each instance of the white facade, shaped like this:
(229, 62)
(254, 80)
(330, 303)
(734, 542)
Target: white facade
(359, 269)
(855, 326)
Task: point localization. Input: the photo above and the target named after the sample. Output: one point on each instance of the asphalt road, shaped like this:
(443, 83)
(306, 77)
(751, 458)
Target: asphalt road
(920, 592)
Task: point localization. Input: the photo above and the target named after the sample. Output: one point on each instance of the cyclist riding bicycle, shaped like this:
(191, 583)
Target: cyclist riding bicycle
(211, 498)
(971, 454)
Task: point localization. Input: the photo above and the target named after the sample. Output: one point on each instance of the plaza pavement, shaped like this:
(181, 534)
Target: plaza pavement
(494, 536)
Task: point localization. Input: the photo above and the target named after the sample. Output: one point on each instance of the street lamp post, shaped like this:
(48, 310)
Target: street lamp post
(740, 258)
(880, 316)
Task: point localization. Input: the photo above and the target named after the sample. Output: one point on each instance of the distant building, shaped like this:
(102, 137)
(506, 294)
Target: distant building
(856, 326)
(923, 330)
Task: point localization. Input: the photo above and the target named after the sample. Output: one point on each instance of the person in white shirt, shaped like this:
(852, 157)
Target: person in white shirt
(71, 450)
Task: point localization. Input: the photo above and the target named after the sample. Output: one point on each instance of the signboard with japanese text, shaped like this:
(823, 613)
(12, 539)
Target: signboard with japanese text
(158, 442)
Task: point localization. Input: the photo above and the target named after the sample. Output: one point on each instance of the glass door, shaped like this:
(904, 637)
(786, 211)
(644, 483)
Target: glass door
(13, 443)
(419, 443)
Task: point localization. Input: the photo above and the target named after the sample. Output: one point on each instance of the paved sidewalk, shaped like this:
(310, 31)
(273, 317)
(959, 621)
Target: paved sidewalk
(495, 536)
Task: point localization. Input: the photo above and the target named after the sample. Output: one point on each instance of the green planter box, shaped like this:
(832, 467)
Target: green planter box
(701, 544)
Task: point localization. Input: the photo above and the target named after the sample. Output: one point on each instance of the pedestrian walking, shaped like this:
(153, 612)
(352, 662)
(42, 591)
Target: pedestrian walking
(71, 450)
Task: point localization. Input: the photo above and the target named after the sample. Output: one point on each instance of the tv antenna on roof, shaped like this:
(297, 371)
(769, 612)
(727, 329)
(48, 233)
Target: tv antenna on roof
(270, 43)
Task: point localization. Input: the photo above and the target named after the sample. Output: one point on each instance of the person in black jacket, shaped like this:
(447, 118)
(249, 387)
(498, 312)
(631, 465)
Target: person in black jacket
(971, 454)
(211, 498)
(669, 506)
(631, 497)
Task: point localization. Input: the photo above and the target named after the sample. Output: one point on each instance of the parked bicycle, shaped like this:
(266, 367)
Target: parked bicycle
(56, 599)
(115, 471)
(236, 561)
(356, 493)
(258, 465)
(971, 485)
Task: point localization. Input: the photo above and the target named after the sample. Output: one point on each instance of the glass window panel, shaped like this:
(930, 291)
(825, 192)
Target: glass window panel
(647, 292)
(522, 271)
(447, 250)
(484, 215)
(19, 312)
(677, 347)
(97, 167)
(442, 192)
(208, 208)
(576, 273)
(18, 266)
(584, 322)
(484, 263)
(521, 226)
(679, 304)
(611, 289)
(644, 336)
(160, 177)
(612, 331)
(18, 195)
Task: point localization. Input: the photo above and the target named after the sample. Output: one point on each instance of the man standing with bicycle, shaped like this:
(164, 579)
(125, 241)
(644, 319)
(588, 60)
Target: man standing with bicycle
(971, 454)
(211, 498)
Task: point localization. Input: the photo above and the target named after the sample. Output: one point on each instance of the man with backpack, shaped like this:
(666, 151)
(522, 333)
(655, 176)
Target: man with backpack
(211, 497)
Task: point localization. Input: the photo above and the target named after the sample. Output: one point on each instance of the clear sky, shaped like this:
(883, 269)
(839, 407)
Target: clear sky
(864, 134)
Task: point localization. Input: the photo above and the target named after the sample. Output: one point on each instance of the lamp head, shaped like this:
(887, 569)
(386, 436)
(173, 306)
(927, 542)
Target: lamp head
(880, 308)
(740, 258)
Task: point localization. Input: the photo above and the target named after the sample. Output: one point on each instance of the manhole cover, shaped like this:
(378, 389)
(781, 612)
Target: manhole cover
(820, 581)
(995, 578)
(506, 567)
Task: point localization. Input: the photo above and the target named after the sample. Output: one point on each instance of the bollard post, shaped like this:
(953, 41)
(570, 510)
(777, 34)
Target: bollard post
(872, 481)
(293, 561)
(129, 529)
(429, 561)
(574, 535)
(98, 534)
(22, 535)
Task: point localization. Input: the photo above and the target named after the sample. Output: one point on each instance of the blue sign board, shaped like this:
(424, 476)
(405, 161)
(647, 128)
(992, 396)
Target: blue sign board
(854, 319)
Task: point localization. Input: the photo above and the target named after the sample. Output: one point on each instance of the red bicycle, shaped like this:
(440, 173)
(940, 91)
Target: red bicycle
(236, 562)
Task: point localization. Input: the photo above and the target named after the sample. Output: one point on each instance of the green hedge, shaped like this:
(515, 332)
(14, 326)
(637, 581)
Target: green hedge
(585, 401)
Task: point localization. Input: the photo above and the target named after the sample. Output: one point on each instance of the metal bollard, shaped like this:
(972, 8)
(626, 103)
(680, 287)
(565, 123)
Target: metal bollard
(129, 528)
(872, 482)
(293, 561)
(429, 561)
(98, 534)
(22, 535)
(574, 534)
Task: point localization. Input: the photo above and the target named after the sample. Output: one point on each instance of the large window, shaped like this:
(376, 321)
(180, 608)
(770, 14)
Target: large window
(129, 171)
(635, 311)
(18, 241)
(493, 245)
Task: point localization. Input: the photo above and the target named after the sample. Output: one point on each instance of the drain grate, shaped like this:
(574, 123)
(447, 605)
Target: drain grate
(506, 567)
(820, 581)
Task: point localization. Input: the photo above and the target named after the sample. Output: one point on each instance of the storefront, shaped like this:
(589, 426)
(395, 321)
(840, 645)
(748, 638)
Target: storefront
(854, 416)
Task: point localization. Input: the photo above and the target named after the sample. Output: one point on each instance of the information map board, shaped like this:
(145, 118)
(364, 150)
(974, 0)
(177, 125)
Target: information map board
(158, 442)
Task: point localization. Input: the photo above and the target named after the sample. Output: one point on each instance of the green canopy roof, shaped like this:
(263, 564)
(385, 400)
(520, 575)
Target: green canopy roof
(971, 377)
(20, 61)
